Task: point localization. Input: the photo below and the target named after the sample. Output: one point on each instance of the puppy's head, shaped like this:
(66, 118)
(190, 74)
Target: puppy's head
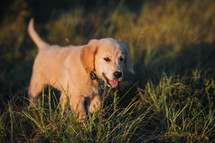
(106, 57)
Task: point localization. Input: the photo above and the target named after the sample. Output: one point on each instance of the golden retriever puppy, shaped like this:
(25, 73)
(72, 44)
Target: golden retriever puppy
(77, 70)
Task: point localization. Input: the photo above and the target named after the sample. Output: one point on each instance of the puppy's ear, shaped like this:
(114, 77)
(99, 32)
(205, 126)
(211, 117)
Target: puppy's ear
(88, 55)
(128, 62)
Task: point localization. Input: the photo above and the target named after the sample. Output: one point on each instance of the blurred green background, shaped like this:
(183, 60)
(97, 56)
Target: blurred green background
(174, 37)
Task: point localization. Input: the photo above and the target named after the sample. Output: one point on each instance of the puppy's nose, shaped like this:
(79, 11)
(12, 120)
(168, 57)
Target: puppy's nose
(117, 74)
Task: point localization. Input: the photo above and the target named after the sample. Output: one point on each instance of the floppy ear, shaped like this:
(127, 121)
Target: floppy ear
(128, 62)
(88, 55)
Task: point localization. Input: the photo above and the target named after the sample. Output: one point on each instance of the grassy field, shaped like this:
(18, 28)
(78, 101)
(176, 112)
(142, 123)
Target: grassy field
(170, 99)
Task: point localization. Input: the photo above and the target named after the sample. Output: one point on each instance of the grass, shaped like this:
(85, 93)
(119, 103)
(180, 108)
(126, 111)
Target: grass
(111, 124)
(173, 110)
(170, 99)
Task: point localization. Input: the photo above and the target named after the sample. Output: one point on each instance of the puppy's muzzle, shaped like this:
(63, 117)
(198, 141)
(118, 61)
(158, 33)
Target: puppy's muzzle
(117, 74)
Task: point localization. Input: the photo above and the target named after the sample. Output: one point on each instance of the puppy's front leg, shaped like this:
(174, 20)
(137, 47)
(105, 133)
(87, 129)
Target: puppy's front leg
(95, 104)
(77, 104)
(63, 101)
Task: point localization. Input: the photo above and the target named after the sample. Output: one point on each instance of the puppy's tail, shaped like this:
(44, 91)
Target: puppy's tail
(35, 37)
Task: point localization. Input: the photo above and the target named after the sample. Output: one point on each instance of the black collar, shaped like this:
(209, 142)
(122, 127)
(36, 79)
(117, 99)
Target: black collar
(93, 76)
(103, 88)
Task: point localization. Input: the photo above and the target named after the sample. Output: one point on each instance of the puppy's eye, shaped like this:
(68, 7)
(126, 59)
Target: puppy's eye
(107, 59)
(121, 59)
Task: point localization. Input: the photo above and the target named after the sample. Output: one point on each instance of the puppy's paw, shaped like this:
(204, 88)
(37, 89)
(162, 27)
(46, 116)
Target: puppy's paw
(94, 107)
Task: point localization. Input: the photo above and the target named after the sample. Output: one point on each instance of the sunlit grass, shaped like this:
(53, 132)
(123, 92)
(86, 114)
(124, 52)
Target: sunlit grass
(172, 110)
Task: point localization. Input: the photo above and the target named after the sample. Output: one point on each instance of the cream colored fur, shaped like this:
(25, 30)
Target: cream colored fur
(67, 69)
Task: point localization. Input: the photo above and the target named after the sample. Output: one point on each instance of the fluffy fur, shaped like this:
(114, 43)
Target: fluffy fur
(68, 70)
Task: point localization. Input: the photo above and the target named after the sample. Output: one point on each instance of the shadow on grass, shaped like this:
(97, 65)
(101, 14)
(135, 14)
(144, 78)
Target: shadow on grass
(190, 57)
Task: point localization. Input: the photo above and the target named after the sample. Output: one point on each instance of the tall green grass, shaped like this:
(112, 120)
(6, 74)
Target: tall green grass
(173, 110)
(110, 124)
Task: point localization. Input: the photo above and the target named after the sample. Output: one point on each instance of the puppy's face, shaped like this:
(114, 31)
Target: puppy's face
(109, 57)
